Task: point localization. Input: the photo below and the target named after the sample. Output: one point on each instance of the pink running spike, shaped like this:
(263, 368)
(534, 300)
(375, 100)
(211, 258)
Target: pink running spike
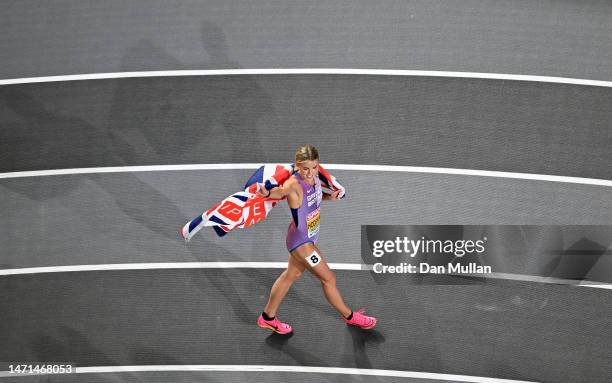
(360, 320)
(274, 325)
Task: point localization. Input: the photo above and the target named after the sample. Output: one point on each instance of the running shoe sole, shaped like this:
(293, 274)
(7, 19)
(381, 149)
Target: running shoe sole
(275, 330)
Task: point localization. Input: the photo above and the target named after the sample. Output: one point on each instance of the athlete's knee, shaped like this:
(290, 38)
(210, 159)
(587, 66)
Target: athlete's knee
(293, 274)
(329, 279)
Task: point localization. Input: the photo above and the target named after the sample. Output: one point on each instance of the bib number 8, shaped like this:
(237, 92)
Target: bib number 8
(313, 259)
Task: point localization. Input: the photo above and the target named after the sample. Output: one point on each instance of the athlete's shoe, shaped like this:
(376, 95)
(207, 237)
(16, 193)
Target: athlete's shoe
(360, 320)
(274, 325)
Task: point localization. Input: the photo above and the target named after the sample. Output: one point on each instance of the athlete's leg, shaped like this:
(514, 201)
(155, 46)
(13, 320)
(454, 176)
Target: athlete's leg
(295, 268)
(322, 271)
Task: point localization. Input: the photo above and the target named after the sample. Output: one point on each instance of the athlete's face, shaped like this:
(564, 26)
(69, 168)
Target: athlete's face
(308, 170)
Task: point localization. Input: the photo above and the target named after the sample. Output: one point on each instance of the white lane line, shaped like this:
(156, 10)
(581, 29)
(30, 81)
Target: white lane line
(303, 369)
(352, 167)
(273, 265)
(298, 71)
(128, 169)
(540, 279)
(166, 265)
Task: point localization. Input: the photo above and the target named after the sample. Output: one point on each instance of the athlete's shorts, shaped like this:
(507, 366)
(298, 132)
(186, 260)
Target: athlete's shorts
(295, 238)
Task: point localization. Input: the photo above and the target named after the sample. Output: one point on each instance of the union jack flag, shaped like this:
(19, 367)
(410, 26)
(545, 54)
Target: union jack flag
(246, 207)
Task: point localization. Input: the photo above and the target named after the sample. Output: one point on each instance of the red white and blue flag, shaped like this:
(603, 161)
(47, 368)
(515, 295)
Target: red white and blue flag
(246, 207)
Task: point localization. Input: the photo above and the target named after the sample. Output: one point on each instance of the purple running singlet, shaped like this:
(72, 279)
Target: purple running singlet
(308, 216)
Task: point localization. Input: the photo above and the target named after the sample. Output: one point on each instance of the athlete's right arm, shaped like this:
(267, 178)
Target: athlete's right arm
(281, 191)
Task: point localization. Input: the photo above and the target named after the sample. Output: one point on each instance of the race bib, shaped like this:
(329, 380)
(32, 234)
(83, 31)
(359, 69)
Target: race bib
(312, 220)
(313, 259)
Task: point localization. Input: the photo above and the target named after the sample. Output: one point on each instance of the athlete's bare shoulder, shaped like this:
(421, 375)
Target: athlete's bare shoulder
(291, 184)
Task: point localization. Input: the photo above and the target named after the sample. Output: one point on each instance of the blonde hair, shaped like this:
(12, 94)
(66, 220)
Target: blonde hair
(306, 153)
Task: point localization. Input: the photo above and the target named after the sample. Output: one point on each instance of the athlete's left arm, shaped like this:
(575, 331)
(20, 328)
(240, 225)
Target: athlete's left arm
(333, 196)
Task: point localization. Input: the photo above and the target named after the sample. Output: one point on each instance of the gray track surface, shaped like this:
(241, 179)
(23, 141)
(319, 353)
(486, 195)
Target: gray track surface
(135, 217)
(509, 330)
(439, 122)
(217, 377)
(547, 37)
(492, 328)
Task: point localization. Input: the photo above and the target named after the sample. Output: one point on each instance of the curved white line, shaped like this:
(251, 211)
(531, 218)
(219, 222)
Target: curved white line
(303, 369)
(348, 71)
(373, 168)
(166, 265)
(273, 265)
(145, 266)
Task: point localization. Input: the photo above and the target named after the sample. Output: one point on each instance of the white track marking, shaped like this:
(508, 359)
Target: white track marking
(145, 266)
(128, 169)
(540, 279)
(372, 168)
(273, 265)
(302, 369)
(299, 71)
(167, 265)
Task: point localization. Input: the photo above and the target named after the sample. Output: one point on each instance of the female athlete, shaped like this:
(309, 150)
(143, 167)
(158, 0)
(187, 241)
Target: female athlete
(304, 195)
